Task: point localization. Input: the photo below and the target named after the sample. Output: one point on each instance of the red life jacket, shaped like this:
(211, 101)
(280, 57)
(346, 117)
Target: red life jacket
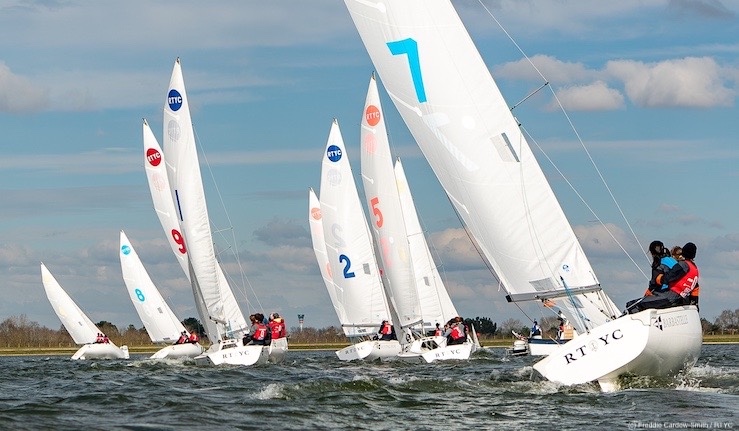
(687, 283)
(456, 333)
(193, 337)
(386, 329)
(260, 332)
(277, 328)
(438, 332)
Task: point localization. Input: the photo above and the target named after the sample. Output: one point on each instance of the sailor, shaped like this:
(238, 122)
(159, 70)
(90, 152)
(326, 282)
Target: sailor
(677, 254)
(277, 326)
(535, 330)
(682, 279)
(438, 331)
(456, 334)
(193, 338)
(258, 331)
(387, 332)
(662, 261)
(183, 338)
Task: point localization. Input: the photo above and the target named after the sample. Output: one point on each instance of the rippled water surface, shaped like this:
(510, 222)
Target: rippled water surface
(314, 390)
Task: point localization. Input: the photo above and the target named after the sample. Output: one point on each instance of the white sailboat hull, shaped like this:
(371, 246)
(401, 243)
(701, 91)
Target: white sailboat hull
(649, 343)
(232, 352)
(543, 346)
(175, 351)
(431, 349)
(370, 350)
(101, 351)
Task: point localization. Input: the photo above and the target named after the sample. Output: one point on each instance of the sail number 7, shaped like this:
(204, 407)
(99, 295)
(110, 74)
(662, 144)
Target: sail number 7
(409, 47)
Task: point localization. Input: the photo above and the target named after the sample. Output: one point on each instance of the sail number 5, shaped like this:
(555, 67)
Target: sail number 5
(409, 47)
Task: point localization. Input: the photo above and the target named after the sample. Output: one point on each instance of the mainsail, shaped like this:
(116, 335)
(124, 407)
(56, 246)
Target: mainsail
(160, 322)
(188, 195)
(387, 226)
(449, 101)
(315, 222)
(164, 206)
(348, 243)
(436, 305)
(79, 326)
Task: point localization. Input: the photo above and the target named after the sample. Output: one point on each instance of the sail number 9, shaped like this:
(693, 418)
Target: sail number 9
(179, 240)
(409, 47)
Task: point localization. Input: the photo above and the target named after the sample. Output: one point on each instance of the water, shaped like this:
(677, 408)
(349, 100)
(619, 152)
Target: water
(313, 390)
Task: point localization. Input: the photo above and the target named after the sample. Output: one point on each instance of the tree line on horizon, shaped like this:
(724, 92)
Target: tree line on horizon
(19, 331)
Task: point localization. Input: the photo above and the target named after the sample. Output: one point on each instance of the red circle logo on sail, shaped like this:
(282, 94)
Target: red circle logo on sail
(315, 213)
(372, 115)
(153, 157)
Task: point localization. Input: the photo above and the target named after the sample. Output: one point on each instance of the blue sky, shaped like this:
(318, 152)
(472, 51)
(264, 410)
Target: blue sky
(650, 85)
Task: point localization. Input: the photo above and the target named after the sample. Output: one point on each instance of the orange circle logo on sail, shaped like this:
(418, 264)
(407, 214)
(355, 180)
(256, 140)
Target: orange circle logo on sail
(372, 115)
(315, 213)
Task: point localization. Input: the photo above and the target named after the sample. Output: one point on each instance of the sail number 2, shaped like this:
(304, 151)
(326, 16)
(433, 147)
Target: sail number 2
(409, 47)
(347, 264)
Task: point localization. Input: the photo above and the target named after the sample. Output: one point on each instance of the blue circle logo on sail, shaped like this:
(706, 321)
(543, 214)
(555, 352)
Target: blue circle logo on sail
(334, 153)
(174, 100)
(126, 250)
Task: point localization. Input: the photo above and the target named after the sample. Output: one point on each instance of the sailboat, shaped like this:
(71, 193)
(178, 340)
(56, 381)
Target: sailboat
(79, 326)
(187, 226)
(160, 322)
(391, 237)
(344, 251)
(446, 96)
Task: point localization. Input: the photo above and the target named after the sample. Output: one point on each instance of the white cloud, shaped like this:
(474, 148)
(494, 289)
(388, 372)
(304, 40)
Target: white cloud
(554, 70)
(688, 82)
(19, 94)
(590, 97)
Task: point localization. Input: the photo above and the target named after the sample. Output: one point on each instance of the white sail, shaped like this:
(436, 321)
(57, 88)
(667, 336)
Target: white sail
(436, 305)
(315, 222)
(79, 326)
(160, 322)
(445, 94)
(383, 203)
(222, 315)
(348, 243)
